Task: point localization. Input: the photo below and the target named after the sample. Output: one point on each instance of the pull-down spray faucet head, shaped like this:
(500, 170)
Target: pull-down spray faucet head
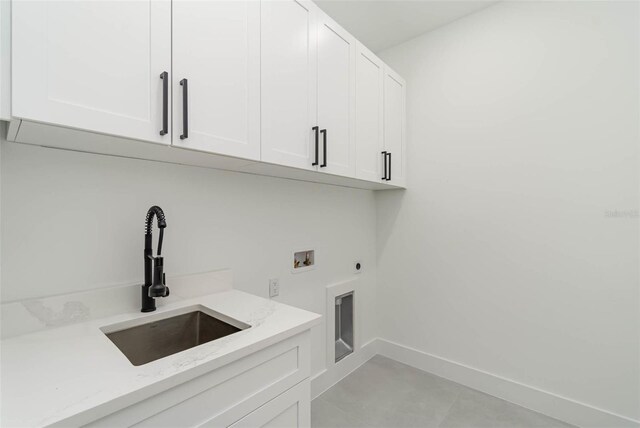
(154, 278)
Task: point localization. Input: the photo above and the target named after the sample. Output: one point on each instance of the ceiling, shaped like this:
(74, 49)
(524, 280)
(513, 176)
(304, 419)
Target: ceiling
(380, 24)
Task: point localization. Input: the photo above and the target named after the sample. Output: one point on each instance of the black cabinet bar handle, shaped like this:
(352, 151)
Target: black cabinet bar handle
(389, 177)
(324, 147)
(185, 109)
(315, 129)
(384, 162)
(165, 103)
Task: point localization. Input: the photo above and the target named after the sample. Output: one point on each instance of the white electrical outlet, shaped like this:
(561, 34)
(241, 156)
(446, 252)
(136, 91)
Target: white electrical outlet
(274, 287)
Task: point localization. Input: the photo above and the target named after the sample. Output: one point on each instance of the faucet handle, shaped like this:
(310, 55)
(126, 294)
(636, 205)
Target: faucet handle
(164, 281)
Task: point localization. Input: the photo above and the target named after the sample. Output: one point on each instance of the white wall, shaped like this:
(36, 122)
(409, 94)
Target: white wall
(502, 255)
(74, 221)
(5, 63)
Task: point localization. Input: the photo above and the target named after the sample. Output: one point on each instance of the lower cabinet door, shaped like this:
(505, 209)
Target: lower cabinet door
(227, 394)
(292, 408)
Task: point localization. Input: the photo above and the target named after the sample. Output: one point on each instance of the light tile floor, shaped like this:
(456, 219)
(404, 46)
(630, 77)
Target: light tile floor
(386, 393)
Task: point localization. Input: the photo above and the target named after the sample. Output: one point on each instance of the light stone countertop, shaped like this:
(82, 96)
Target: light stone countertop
(74, 374)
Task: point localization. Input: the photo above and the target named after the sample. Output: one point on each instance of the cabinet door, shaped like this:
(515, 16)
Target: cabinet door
(92, 65)
(369, 115)
(394, 126)
(336, 97)
(290, 409)
(216, 47)
(289, 76)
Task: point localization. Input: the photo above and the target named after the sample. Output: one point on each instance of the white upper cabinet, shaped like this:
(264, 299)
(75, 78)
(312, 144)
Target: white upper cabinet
(369, 115)
(92, 65)
(289, 76)
(216, 48)
(394, 127)
(336, 97)
(273, 81)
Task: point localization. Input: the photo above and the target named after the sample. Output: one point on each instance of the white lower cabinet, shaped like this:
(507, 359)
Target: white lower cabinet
(290, 409)
(267, 388)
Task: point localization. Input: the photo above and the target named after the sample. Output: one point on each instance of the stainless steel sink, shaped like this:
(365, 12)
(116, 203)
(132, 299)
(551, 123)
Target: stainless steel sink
(160, 338)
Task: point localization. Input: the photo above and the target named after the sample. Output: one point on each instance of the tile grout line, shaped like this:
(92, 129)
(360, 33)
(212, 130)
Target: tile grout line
(444, 418)
(339, 410)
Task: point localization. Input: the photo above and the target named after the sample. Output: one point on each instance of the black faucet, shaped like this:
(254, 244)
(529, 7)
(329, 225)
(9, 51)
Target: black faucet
(155, 284)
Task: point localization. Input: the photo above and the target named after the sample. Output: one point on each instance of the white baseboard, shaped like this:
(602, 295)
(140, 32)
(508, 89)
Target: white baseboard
(562, 408)
(550, 404)
(329, 377)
